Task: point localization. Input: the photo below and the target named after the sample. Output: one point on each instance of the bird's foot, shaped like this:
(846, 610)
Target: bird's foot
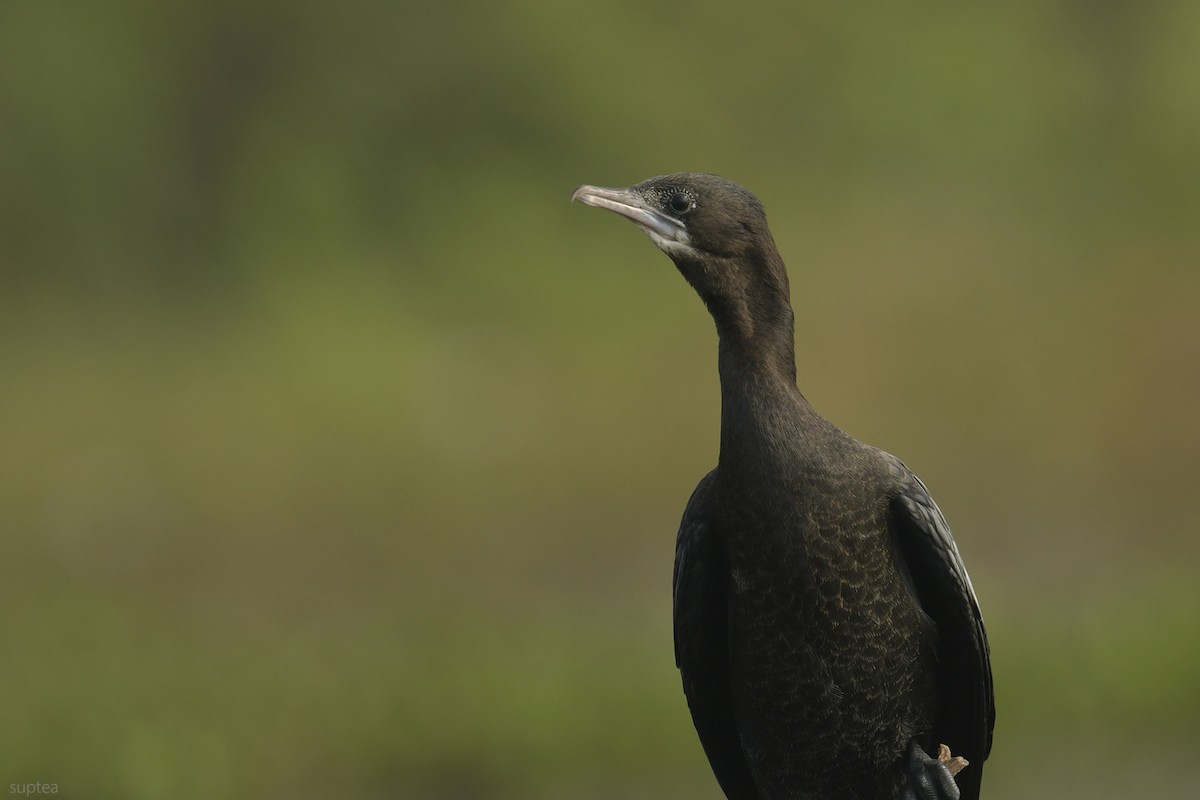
(953, 763)
(932, 778)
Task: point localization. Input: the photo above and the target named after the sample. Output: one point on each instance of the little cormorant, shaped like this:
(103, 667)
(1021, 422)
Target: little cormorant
(826, 631)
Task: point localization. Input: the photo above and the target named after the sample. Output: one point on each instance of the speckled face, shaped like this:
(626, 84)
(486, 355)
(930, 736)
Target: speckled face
(721, 218)
(673, 199)
(688, 215)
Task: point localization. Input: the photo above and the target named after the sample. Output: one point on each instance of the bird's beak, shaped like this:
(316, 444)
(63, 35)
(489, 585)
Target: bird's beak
(631, 205)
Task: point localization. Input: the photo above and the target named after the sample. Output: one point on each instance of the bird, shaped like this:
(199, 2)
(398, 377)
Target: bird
(828, 637)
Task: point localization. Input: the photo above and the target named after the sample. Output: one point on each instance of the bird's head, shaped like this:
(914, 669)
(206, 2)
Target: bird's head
(716, 233)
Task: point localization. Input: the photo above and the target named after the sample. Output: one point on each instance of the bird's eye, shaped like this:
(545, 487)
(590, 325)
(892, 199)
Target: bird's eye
(679, 203)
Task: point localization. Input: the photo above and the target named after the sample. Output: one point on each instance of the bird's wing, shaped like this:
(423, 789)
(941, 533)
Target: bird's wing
(701, 602)
(966, 711)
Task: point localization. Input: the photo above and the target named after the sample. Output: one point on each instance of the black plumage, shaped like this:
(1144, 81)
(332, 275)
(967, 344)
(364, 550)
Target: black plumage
(826, 631)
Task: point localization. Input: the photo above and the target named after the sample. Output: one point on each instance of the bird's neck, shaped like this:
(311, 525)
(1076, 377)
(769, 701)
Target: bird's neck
(758, 356)
(763, 414)
(764, 417)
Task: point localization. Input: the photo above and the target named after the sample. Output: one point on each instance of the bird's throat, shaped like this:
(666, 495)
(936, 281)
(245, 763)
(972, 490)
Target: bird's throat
(763, 413)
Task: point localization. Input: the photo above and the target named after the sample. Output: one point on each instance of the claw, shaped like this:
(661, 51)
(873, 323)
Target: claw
(953, 763)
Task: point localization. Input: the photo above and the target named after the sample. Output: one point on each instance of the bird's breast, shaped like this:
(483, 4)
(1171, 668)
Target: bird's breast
(828, 650)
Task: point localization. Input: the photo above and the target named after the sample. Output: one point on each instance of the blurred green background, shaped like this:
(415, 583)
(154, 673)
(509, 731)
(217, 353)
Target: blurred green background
(341, 456)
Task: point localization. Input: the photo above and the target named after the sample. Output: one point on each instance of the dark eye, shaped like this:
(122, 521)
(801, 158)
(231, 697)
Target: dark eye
(679, 203)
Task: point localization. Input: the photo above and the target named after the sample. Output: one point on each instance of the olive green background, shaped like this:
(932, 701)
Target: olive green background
(341, 456)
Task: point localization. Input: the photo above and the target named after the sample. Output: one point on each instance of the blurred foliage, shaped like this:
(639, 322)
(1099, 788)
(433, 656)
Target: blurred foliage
(342, 456)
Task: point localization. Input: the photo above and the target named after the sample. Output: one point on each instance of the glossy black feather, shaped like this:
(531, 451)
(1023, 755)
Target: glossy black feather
(966, 711)
(701, 604)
